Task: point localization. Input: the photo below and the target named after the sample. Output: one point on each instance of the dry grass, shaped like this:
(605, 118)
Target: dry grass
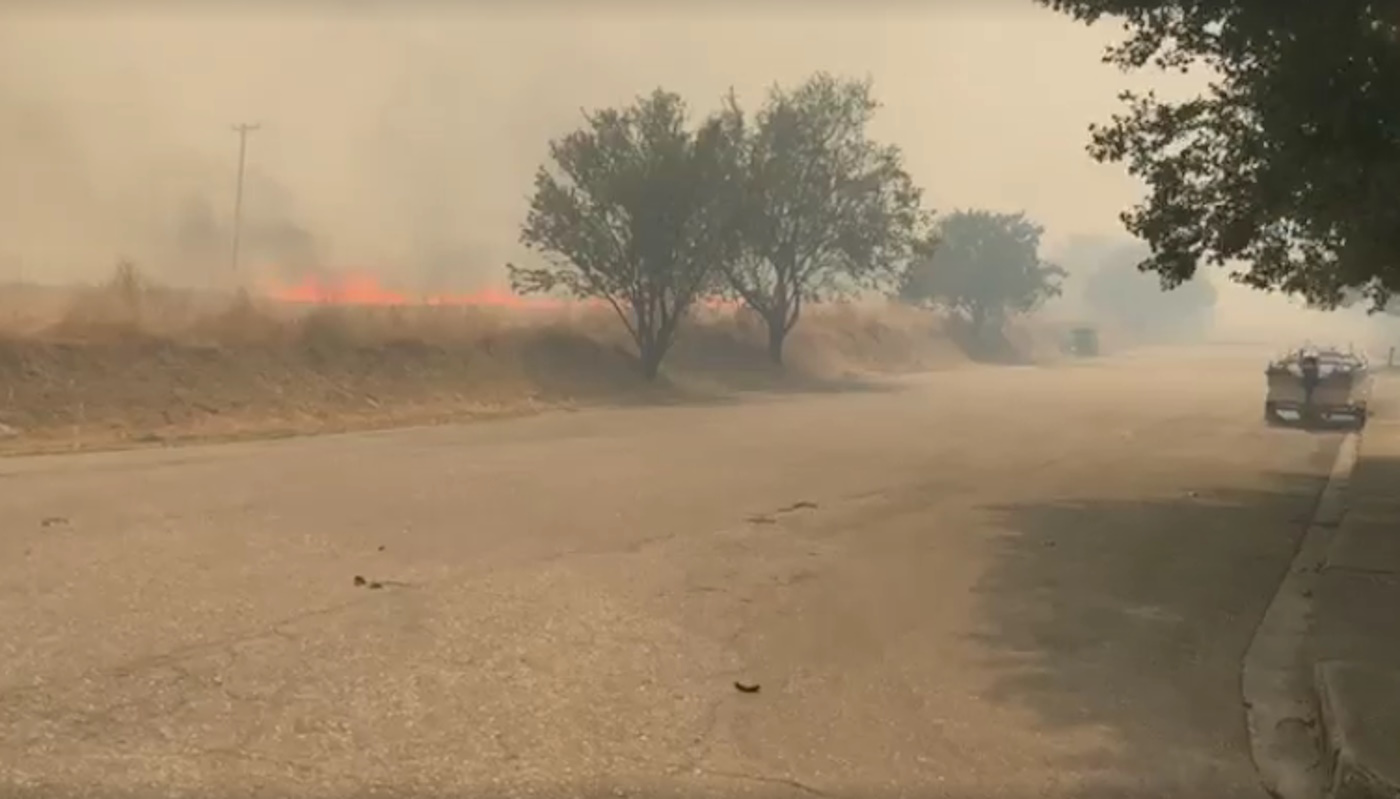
(129, 362)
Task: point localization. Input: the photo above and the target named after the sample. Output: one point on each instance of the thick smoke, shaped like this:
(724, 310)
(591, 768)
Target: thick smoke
(406, 144)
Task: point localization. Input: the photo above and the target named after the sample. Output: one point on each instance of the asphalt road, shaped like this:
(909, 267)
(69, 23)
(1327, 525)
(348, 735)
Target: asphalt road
(994, 582)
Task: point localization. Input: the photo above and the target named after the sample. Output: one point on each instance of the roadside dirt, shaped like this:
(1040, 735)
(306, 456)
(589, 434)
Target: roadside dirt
(130, 364)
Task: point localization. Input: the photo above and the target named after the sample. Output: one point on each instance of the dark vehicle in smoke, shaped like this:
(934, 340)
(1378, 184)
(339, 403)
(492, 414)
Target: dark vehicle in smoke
(1082, 342)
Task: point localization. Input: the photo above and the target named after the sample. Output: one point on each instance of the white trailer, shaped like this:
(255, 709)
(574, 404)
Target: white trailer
(1314, 386)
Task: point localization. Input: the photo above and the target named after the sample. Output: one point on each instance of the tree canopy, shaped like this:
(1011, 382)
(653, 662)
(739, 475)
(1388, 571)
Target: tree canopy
(826, 210)
(984, 266)
(637, 210)
(1289, 163)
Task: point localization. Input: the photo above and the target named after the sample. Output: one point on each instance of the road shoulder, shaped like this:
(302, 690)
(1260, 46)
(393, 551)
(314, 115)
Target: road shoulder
(1360, 705)
(1353, 641)
(1276, 676)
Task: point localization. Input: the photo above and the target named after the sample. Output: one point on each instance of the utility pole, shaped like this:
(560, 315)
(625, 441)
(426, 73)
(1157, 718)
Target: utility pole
(242, 131)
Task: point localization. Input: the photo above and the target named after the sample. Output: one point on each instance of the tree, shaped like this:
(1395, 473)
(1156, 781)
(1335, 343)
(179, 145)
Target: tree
(1290, 162)
(983, 266)
(637, 210)
(827, 211)
(1119, 292)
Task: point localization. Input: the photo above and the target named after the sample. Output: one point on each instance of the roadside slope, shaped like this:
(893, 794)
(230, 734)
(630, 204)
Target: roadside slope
(124, 365)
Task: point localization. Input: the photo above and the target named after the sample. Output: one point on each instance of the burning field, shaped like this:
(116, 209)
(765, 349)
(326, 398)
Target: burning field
(363, 289)
(132, 362)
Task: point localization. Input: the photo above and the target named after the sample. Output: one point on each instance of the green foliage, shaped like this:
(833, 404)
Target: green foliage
(637, 210)
(1117, 291)
(984, 266)
(825, 210)
(1289, 163)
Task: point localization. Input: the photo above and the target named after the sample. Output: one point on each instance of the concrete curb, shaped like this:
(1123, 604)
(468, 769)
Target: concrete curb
(1276, 681)
(1354, 726)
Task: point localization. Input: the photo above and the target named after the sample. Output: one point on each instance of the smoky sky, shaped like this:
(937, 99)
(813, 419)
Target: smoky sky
(404, 141)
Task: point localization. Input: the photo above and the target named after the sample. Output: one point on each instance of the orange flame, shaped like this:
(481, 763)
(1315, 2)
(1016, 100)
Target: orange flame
(363, 289)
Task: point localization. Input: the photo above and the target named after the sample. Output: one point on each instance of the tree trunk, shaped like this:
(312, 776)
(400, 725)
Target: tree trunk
(651, 366)
(979, 325)
(650, 354)
(777, 334)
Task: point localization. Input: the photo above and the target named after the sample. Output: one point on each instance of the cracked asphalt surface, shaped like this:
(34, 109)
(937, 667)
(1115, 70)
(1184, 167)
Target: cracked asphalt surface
(999, 582)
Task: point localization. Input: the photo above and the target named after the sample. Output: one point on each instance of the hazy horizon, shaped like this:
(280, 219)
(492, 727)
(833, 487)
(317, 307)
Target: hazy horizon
(404, 143)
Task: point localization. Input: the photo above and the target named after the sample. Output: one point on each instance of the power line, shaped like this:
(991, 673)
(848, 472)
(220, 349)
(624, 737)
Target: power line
(242, 130)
